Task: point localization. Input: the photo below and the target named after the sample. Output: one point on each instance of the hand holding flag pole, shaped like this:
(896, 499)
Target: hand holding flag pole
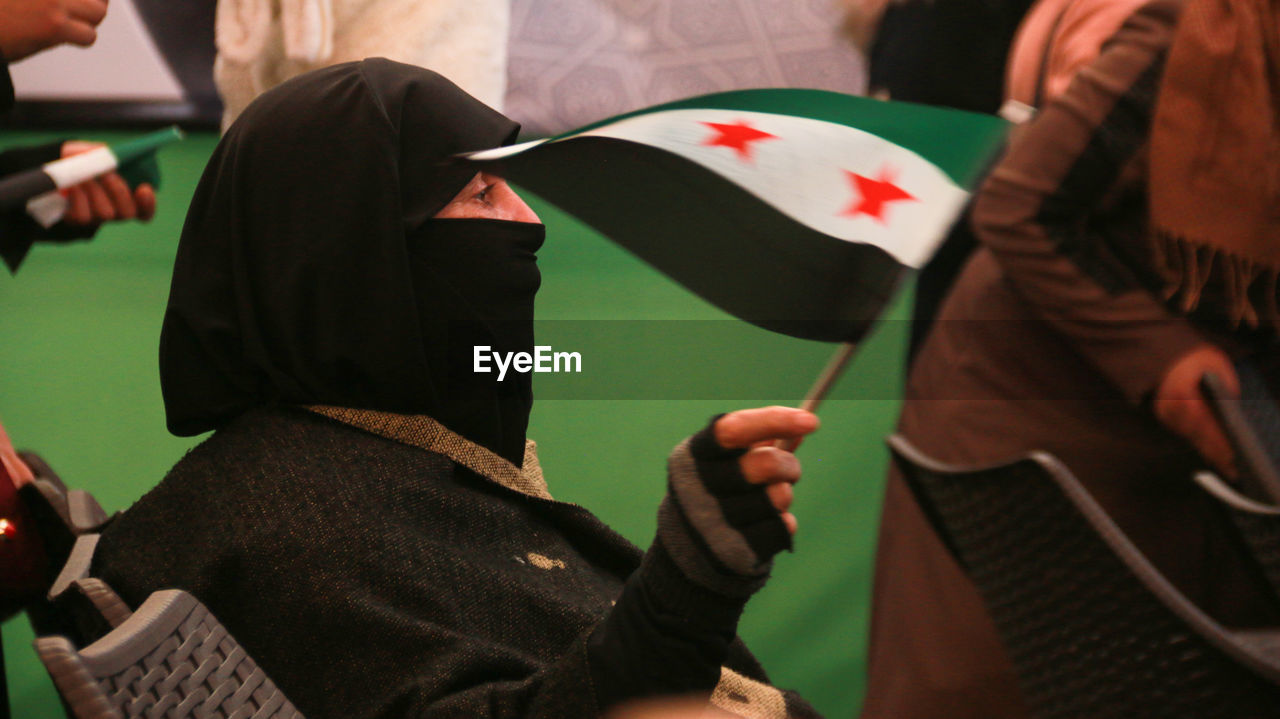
(822, 385)
(38, 187)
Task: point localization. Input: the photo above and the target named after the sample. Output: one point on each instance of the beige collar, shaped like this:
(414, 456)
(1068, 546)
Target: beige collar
(419, 430)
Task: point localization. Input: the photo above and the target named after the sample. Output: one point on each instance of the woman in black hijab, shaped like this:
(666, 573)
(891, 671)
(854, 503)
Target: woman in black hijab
(322, 209)
(368, 519)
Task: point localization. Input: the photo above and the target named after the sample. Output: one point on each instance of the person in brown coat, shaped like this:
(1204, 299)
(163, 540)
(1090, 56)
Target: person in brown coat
(1082, 327)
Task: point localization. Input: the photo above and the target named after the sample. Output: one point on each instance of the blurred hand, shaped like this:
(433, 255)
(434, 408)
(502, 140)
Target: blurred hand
(1181, 407)
(105, 198)
(29, 26)
(757, 430)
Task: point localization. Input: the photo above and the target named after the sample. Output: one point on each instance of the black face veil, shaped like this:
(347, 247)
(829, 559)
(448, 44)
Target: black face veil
(310, 272)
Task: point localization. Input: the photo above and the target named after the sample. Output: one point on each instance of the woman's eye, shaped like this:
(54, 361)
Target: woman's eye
(483, 195)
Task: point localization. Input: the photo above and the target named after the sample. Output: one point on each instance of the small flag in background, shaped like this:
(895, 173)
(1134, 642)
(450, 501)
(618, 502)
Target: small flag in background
(37, 188)
(796, 210)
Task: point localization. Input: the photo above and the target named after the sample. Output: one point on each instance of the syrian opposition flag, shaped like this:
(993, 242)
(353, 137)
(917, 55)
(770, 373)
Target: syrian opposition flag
(796, 210)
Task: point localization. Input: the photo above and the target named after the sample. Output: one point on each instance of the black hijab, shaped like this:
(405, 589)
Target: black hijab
(310, 270)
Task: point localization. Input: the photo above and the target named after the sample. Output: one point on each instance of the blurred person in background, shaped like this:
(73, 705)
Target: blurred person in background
(28, 27)
(262, 43)
(1126, 249)
(950, 53)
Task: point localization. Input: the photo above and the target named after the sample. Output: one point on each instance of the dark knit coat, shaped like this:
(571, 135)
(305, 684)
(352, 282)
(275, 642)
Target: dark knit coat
(372, 578)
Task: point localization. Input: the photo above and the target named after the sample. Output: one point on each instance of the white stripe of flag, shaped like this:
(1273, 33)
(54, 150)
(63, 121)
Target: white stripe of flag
(838, 180)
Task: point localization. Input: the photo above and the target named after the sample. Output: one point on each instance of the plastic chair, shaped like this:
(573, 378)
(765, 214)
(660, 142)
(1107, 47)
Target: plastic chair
(1093, 628)
(171, 658)
(77, 606)
(1252, 424)
(1258, 524)
(23, 564)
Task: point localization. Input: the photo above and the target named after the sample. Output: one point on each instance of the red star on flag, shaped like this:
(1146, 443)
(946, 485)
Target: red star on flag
(873, 195)
(737, 136)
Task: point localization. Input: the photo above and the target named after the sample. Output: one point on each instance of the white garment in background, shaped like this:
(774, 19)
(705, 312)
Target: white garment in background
(261, 43)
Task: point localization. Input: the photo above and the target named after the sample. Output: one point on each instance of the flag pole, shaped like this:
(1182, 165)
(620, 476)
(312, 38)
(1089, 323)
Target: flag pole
(821, 386)
(831, 373)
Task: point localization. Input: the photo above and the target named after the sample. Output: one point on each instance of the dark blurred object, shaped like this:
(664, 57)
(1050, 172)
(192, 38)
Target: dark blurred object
(1252, 423)
(183, 31)
(47, 518)
(23, 566)
(1093, 628)
(39, 524)
(950, 53)
(945, 52)
(935, 279)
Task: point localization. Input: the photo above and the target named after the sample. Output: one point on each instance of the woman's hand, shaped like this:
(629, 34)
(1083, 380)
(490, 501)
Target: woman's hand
(719, 527)
(757, 430)
(728, 491)
(29, 26)
(107, 197)
(1182, 407)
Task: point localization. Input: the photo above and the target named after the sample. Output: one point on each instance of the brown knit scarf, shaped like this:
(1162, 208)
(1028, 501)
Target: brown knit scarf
(1215, 162)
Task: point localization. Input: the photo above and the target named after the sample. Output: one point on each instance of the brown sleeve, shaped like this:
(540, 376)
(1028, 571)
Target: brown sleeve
(1041, 211)
(1085, 28)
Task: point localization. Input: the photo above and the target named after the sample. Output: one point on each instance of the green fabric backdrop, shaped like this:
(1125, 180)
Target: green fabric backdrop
(79, 328)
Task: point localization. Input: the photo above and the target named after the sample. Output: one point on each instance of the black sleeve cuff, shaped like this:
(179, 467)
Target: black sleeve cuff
(24, 158)
(666, 635)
